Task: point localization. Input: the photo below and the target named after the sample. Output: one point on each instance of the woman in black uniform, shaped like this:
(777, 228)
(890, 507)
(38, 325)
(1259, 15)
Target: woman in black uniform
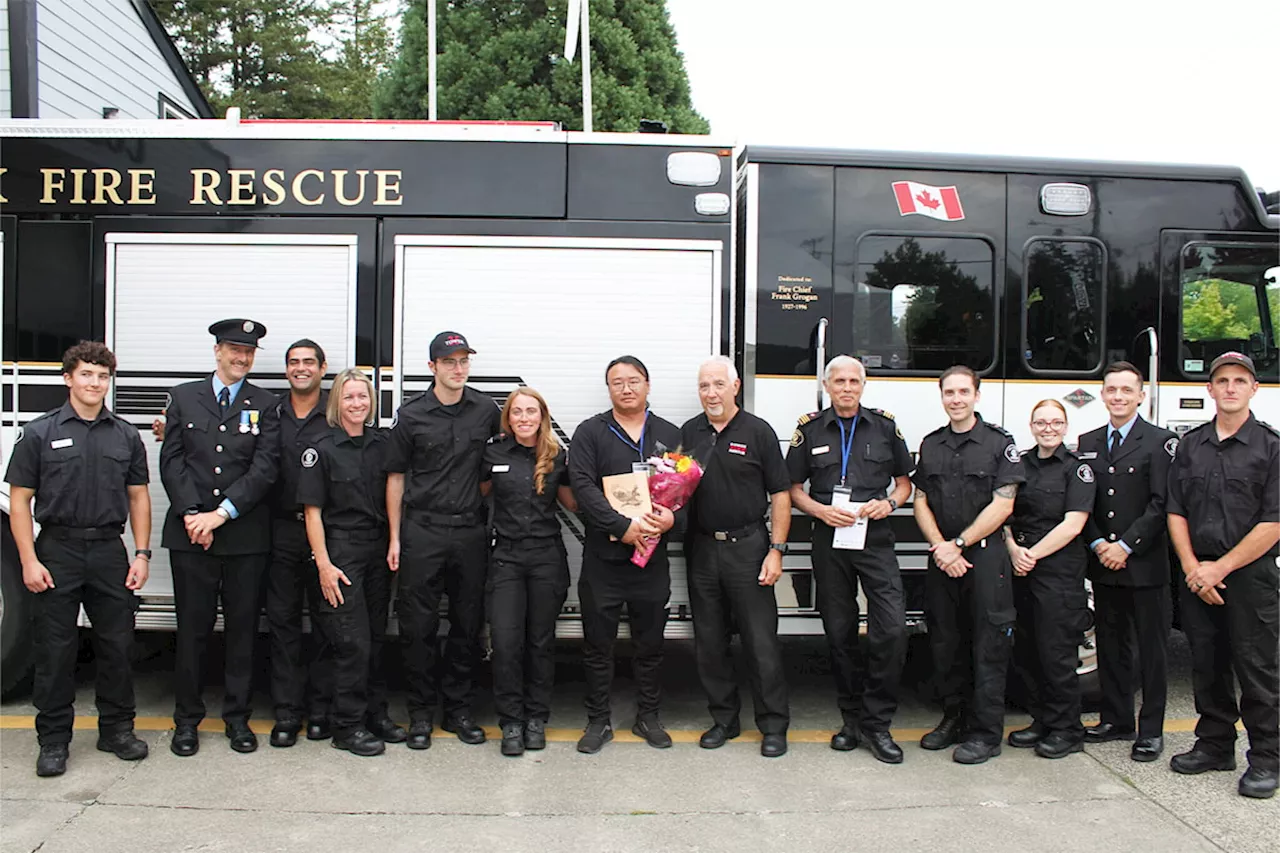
(525, 471)
(1043, 538)
(343, 490)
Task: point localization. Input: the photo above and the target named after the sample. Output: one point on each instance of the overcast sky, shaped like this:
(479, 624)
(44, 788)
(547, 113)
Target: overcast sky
(1145, 80)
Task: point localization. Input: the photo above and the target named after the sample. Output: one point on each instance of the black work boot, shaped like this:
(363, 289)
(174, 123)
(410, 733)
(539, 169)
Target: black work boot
(947, 732)
(126, 745)
(513, 739)
(52, 760)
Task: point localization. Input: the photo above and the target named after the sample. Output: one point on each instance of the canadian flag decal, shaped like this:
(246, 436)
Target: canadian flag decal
(934, 202)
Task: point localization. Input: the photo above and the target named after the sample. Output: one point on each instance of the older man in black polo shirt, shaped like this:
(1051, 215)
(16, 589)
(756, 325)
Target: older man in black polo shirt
(734, 566)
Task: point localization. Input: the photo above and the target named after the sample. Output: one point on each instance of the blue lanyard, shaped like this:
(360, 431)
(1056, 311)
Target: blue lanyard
(846, 445)
(638, 448)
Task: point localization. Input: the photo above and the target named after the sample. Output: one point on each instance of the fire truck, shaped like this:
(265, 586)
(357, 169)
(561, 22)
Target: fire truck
(556, 251)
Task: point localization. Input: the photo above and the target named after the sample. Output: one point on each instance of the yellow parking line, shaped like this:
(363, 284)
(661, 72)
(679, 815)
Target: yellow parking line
(622, 735)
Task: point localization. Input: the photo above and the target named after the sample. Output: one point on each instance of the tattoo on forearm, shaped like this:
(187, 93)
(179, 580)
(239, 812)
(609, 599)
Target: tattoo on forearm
(1009, 490)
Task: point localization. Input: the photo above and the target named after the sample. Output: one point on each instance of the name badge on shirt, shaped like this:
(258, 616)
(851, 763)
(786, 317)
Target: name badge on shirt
(501, 469)
(61, 443)
(1089, 455)
(738, 447)
(820, 450)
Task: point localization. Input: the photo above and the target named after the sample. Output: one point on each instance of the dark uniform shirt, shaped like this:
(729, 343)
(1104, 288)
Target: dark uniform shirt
(295, 437)
(877, 454)
(1225, 488)
(1055, 486)
(79, 469)
(602, 448)
(347, 478)
(519, 512)
(958, 471)
(742, 467)
(439, 449)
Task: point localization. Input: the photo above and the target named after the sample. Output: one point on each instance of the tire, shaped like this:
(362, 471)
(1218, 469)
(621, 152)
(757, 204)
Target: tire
(15, 619)
(1087, 670)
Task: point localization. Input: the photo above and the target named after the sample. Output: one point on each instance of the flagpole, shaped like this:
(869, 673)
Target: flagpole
(586, 66)
(431, 60)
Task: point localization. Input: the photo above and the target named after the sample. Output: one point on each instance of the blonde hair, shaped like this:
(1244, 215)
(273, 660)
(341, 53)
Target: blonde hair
(547, 444)
(332, 412)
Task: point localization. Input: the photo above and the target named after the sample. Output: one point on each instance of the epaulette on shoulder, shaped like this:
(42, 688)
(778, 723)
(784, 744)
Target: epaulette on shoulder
(804, 419)
(999, 429)
(1269, 428)
(497, 439)
(46, 416)
(937, 431)
(415, 398)
(882, 413)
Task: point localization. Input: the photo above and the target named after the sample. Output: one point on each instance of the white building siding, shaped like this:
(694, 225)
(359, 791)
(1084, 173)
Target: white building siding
(95, 55)
(6, 103)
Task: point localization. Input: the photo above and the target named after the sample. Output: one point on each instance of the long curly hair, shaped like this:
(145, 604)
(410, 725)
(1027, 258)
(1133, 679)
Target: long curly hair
(547, 445)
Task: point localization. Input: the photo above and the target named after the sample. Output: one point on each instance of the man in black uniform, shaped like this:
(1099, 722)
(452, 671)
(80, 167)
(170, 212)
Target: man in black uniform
(1129, 562)
(218, 460)
(870, 468)
(438, 440)
(87, 471)
(291, 577)
(966, 482)
(733, 562)
(607, 444)
(1224, 520)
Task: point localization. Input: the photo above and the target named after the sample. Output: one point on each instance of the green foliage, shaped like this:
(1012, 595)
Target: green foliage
(281, 58)
(1217, 309)
(502, 61)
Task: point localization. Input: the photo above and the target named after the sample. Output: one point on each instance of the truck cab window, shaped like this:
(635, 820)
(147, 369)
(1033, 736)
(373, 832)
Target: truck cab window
(1230, 301)
(1063, 305)
(924, 303)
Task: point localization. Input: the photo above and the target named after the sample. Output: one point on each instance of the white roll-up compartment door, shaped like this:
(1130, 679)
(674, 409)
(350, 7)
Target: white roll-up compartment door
(163, 292)
(552, 312)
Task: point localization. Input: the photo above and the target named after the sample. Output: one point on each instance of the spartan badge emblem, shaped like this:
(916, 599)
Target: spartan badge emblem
(1011, 453)
(1171, 447)
(310, 457)
(1085, 473)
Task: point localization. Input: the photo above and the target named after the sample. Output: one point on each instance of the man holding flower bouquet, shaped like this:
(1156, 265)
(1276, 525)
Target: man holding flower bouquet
(605, 447)
(733, 565)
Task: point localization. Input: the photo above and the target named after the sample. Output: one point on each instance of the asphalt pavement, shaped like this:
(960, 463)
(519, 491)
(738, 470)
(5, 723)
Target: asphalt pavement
(630, 797)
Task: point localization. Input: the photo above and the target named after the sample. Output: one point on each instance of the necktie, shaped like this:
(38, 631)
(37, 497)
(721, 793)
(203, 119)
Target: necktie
(1115, 443)
(224, 399)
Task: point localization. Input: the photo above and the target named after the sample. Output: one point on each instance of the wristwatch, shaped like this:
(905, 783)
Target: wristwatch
(958, 542)
(143, 552)
(226, 516)
(780, 547)
(892, 503)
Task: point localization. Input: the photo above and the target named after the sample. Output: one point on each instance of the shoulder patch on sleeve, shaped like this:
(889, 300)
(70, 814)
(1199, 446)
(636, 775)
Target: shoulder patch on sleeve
(797, 438)
(1171, 447)
(310, 457)
(1011, 453)
(1085, 473)
(18, 437)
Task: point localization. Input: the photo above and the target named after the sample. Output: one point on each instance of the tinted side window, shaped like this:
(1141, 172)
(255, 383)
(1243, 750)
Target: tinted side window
(54, 287)
(1230, 301)
(1064, 305)
(924, 303)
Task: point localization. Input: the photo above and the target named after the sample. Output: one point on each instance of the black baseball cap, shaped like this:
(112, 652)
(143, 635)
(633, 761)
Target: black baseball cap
(238, 331)
(1233, 358)
(447, 342)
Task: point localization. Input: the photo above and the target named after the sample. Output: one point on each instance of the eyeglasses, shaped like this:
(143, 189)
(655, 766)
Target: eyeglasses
(1054, 425)
(629, 384)
(452, 363)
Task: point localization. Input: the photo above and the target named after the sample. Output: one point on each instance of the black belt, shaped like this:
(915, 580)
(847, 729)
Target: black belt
(58, 531)
(356, 535)
(463, 519)
(291, 517)
(532, 541)
(732, 535)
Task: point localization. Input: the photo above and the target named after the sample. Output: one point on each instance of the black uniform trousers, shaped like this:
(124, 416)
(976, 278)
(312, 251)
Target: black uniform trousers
(1129, 619)
(528, 583)
(356, 629)
(725, 595)
(866, 688)
(437, 559)
(301, 669)
(603, 588)
(90, 572)
(199, 581)
(970, 621)
(1240, 637)
(1053, 614)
